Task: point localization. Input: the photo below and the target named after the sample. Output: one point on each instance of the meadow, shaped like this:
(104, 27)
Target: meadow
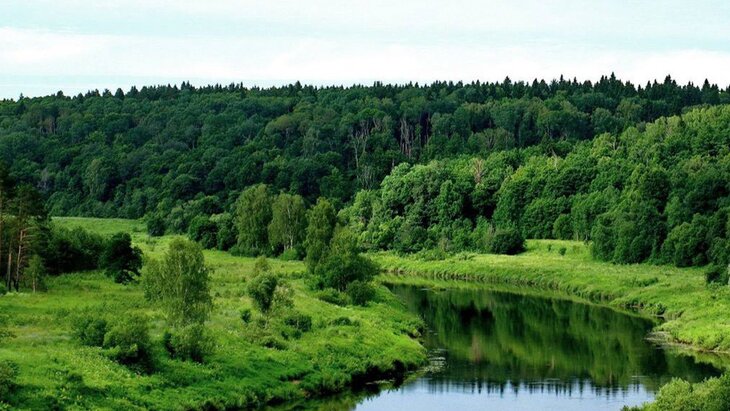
(346, 346)
(250, 366)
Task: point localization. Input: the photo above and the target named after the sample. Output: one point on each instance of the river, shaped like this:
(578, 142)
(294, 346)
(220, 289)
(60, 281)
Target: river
(504, 351)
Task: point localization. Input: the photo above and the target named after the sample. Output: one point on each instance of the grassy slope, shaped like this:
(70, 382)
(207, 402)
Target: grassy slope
(695, 314)
(240, 373)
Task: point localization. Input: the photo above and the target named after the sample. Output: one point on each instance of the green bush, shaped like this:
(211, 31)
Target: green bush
(344, 321)
(716, 274)
(128, 342)
(204, 231)
(507, 240)
(155, 225)
(678, 395)
(332, 296)
(191, 343)
(261, 289)
(298, 321)
(120, 259)
(90, 330)
(291, 254)
(246, 315)
(562, 250)
(360, 292)
(8, 374)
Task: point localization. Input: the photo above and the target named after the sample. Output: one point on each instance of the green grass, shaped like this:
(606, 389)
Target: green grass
(693, 313)
(241, 372)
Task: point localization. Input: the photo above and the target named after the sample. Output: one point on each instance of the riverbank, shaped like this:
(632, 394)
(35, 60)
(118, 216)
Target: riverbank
(345, 346)
(693, 314)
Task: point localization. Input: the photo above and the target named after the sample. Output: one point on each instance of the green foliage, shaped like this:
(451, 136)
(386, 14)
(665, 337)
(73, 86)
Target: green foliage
(120, 260)
(35, 273)
(67, 250)
(716, 274)
(189, 343)
(288, 222)
(563, 227)
(180, 283)
(343, 263)
(155, 225)
(679, 395)
(332, 296)
(320, 229)
(360, 292)
(128, 342)
(227, 233)
(261, 289)
(298, 321)
(507, 240)
(8, 376)
(687, 244)
(245, 315)
(204, 231)
(90, 329)
(252, 217)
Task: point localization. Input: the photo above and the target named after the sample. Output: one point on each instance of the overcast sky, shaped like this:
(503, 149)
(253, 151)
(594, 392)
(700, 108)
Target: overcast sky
(69, 45)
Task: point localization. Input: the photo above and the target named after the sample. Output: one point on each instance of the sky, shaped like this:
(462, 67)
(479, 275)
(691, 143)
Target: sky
(74, 46)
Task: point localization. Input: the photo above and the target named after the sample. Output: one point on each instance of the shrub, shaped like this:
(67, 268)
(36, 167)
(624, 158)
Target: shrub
(71, 250)
(90, 330)
(246, 315)
(35, 273)
(155, 225)
(507, 240)
(191, 342)
(290, 254)
(128, 342)
(120, 259)
(360, 292)
(8, 374)
(344, 321)
(563, 227)
(261, 289)
(562, 250)
(332, 296)
(301, 323)
(225, 231)
(203, 231)
(716, 274)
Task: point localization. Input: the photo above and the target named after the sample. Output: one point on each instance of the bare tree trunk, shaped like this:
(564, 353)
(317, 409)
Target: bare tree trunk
(10, 265)
(407, 135)
(19, 259)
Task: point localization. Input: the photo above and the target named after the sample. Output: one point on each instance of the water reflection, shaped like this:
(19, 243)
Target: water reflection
(503, 351)
(485, 338)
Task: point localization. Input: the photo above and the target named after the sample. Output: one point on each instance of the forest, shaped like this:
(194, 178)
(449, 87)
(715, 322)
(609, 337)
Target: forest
(327, 188)
(446, 166)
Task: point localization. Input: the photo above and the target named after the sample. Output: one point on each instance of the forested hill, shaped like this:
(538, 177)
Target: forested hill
(154, 149)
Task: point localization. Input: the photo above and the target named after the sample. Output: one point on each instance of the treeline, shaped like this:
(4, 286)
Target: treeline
(32, 248)
(166, 150)
(657, 193)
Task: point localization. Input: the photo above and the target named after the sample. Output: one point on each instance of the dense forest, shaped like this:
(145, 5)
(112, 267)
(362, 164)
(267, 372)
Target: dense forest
(641, 171)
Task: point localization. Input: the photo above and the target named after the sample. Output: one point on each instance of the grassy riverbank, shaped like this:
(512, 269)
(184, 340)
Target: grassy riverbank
(344, 346)
(694, 314)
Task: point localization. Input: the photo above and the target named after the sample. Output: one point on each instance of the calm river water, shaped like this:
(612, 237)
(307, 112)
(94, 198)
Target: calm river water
(502, 351)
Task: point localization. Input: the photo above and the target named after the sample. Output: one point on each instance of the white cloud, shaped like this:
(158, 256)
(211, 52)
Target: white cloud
(329, 42)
